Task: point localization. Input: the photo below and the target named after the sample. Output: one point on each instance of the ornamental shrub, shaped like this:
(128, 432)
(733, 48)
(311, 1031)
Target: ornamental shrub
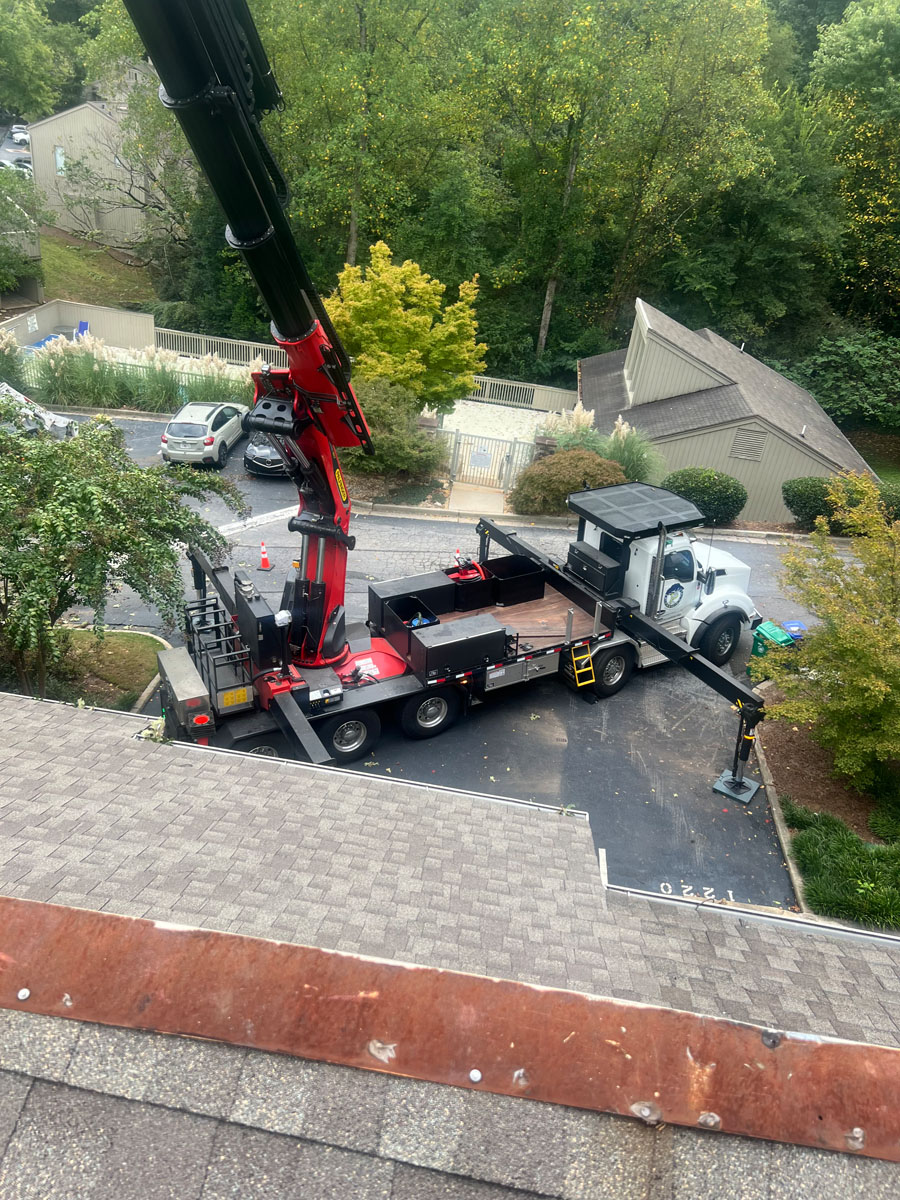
(634, 452)
(719, 497)
(543, 487)
(808, 498)
(402, 450)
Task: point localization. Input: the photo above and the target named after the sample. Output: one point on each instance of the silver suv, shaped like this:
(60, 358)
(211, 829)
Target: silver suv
(203, 433)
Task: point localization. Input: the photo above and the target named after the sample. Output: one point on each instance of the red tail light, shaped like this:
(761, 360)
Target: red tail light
(200, 719)
(163, 439)
(208, 441)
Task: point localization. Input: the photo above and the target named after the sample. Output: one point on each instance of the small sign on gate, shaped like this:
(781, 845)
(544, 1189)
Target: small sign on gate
(480, 460)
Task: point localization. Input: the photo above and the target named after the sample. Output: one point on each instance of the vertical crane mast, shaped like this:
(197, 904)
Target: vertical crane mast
(216, 78)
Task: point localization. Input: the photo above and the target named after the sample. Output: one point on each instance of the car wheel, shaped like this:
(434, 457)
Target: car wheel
(612, 669)
(349, 737)
(222, 456)
(721, 639)
(427, 716)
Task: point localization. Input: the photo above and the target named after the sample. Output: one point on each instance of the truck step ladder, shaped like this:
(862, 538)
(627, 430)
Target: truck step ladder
(583, 665)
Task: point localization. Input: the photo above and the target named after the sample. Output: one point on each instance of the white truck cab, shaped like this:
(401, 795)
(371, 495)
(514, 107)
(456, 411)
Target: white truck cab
(633, 544)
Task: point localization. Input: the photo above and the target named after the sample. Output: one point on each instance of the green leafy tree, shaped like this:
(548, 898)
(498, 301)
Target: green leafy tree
(856, 378)
(81, 520)
(27, 67)
(856, 71)
(844, 677)
(395, 325)
(21, 214)
(768, 248)
(373, 102)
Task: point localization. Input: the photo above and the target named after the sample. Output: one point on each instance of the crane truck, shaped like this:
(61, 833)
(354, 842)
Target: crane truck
(634, 589)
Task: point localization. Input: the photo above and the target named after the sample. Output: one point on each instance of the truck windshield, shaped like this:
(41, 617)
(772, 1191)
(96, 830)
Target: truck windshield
(185, 429)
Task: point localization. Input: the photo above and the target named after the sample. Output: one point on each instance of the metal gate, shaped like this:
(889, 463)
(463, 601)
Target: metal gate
(486, 461)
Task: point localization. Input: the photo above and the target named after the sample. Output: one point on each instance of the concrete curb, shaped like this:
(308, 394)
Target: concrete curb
(133, 414)
(781, 829)
(154, 682)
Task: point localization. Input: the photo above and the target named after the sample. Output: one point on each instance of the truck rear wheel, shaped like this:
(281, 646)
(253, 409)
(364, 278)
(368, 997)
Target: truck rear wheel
(612, 669)
(427, 716)
(349, 737)
(721, 639)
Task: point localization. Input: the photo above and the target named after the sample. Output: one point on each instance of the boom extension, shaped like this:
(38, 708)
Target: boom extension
(217, 80)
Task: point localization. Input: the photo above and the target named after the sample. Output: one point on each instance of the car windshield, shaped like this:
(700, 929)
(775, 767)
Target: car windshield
(185, 429)
(260, 441)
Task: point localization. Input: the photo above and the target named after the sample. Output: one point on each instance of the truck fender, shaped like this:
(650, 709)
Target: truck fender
(701, 618)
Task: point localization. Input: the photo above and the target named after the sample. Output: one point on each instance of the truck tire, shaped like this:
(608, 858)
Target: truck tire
(349, 737)
(612, 669)
(721, 639)
(427, 716)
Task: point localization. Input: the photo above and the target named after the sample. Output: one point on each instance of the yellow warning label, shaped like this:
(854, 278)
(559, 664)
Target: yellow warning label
(339, 480)
(238, 696)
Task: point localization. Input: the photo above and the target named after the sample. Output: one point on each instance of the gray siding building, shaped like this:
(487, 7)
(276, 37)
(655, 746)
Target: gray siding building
(705, 403)
(80, 167)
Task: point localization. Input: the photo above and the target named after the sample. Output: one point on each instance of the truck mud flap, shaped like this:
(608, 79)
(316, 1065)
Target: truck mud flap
(294, 725)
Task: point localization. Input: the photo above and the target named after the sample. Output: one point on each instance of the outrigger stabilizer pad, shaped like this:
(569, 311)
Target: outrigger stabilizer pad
(742, 790)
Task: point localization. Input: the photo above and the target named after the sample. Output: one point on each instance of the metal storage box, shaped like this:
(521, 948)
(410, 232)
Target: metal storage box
(433, 589)
(596, 568)
(456, 646)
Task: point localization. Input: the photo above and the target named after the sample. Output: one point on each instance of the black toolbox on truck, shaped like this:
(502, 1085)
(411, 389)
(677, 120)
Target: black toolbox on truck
(596, 568)
(449, 649)
(433, 589)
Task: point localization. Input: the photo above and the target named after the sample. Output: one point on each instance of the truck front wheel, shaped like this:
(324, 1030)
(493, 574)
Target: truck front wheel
(349, 737)
(427, 716)
(612, 670)
(721, 639)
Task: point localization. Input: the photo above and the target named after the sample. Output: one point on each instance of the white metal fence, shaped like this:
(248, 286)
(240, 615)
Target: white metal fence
(198, 345)
(486, 461)
(522, 395)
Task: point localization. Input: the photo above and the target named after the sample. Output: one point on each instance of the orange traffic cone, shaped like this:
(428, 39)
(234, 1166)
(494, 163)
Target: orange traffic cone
(264, 564)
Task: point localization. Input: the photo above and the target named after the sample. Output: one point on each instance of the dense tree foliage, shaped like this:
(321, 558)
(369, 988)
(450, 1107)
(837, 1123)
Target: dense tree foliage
(736, 164)
(81, 520)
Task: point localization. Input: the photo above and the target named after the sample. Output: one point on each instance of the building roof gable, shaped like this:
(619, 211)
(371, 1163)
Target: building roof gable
(750, 389)
(67, 112)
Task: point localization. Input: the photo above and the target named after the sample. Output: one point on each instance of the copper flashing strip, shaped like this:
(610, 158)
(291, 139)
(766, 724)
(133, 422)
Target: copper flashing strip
(493, 1035)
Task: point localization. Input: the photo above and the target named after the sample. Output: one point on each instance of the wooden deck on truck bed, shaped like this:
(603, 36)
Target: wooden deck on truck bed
(539, 623)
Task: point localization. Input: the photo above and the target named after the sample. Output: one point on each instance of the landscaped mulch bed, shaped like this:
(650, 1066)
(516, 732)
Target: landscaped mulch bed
(801, 769)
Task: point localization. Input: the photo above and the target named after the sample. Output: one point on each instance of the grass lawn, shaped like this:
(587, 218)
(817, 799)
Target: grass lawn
(881, 451)
(113, 672)
(84, 272)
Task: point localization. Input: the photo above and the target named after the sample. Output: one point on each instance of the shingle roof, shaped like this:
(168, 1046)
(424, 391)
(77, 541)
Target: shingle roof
(91, 816)
(755, 391)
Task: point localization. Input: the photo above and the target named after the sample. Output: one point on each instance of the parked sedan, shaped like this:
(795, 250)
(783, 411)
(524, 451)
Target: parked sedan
(203, 433)
(20, 136)
(261, 457)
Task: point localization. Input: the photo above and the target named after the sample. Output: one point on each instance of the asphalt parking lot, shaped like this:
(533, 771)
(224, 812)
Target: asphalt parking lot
(641, 763)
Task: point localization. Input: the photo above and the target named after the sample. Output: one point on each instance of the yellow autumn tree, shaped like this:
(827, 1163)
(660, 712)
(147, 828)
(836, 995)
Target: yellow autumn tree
(396, 325)
(844, 677)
